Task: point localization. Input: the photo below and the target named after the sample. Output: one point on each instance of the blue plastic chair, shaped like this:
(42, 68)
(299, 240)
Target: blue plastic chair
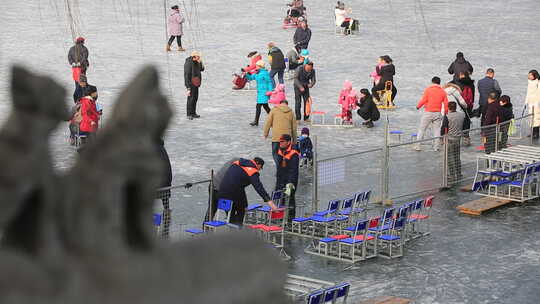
(316, 297)
(157, 219)
(224, 205)
(333, 206)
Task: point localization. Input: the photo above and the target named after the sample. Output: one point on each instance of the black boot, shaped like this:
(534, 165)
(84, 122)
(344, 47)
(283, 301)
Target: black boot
(369, 124)
(536, 131)
(254, 124)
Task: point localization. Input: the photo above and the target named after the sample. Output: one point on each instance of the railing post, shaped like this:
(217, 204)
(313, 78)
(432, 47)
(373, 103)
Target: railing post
(532, 126)
(315, 180)
(445, 162)
(497, 132)
(385, 167)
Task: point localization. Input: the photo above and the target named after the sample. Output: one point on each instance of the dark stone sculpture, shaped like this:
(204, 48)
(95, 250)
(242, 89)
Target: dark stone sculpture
(86, 237)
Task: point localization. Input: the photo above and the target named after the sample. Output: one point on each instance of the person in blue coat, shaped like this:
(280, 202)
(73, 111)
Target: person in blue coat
(264, 88)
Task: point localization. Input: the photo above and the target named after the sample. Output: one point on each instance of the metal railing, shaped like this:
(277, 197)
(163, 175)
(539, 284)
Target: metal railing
(411, 167)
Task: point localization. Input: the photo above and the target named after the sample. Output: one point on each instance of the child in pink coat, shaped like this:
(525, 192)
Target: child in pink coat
(277, 95)
(348, 105)
(343, 95)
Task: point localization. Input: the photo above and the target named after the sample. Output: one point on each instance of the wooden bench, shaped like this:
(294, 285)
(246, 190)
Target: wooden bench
(482, 205)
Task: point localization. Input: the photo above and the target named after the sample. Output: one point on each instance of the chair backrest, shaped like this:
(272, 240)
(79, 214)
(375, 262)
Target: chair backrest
(358, 197)
(360, 227)
(224, 204)
(157, 219)
(367, 196)
(316, 297)
(387, 214)
(277, 196)
(374, 222)
(330, 294)
(333, 205)
(428, 202)
(399, 223)
(343, 290)
(347, 203)
(418, 204)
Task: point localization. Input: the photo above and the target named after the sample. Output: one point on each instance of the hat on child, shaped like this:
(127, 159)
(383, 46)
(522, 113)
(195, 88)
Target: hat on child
(195, 54)
(305, 131)
(260, 63)
(285, 137)
(304, 53)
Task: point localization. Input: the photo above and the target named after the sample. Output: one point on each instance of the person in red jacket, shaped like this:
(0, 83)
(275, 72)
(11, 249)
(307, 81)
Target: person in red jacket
(89, 113)
(433, 101)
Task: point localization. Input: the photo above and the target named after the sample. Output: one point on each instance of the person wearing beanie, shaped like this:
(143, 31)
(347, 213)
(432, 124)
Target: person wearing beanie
(253, 57)
(305, 146)
(304, 79)
(242, 173)
(264, 90)
(78, 55)
(277, 63)
(174, 25)
(507, 114)
(80, 88)
(287, 170)
(193, 68)
(302, 36)
(460, 65)
(281, 120)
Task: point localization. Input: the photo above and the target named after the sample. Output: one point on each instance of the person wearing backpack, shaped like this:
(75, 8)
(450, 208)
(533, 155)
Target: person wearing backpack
(466, 84)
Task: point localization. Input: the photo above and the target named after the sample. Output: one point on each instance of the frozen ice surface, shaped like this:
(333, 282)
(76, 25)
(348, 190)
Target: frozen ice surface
(493, 259)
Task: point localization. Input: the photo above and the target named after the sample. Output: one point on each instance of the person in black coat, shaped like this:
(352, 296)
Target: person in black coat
(277, 63)
(302, 36)
(287, 170)
(387, 72)
(192, 80)
(460, 65)
(507, 114)
(242, 173)
(166, 180)
(78, 55)
(493, 117)
(367, 108)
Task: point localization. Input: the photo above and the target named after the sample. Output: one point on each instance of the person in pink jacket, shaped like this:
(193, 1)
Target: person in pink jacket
(376, 77)
(277, 95)
(343, 98)
(348, 105)
(174, 26)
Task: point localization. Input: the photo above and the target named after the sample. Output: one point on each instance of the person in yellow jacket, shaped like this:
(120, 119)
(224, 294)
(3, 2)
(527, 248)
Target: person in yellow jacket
(282, 121)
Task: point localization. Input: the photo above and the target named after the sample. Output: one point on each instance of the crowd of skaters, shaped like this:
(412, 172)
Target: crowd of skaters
(448, 108)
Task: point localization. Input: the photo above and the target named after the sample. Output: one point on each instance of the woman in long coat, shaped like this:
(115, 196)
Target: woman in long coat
(533, 100)
(174, 25)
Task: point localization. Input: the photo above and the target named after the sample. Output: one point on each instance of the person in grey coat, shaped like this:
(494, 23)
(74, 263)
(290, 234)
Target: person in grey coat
(302, 36)
(78, 55)
(452, 126)
(460, 65)
(486, 85)
(304, 79)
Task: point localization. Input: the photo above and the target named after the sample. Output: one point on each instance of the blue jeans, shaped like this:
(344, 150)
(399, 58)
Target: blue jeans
(279, 76)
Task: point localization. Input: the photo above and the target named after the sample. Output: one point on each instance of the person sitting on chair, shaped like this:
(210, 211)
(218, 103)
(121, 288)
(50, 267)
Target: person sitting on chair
(342, 19)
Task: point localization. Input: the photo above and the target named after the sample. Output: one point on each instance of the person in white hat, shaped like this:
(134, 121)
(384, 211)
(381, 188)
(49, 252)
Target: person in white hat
(264, 86)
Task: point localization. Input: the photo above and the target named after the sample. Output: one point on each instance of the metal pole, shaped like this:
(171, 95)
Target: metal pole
(445, 162)
(497, 131)
(314, 189)
(385, 167)
(532, 126)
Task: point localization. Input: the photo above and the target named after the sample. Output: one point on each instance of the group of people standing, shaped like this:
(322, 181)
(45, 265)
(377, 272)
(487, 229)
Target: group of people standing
(85, 113)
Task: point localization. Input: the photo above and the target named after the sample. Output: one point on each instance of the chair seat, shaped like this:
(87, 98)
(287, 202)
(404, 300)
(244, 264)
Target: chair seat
(194, 231)
(500, 182)
(265, 208)
(389, 237)
(518, 182)
(418, 216)
(488, 172)
(323, 213)
(342, 218)
(369, 237)
(301, 219)
(383, 228)
(327, 240)
(253, 207)
(271, 228)
(396, 132)
(340, 236)
(215, 223)
(322, 219)
(346, 211)
(350, 241)
(259, 226)
(506, 174)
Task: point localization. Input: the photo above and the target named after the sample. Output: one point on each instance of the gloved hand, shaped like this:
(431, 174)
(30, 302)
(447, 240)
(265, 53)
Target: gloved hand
(75, 64)
(242, 69)
(289, 188)
(268, 93)
(188, 185)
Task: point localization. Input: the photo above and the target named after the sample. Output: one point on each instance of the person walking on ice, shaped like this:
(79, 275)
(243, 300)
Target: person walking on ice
(192, 80)
(264, 86)
(175, 29)
(433, 101)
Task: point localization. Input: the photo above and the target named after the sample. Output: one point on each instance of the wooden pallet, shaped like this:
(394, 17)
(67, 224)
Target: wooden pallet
(466, 188)
(386, 300)
(482, 205)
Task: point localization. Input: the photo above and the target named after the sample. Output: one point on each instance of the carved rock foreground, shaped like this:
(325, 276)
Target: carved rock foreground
(86, 237)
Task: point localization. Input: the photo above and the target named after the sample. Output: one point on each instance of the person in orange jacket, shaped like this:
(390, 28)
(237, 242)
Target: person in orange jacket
(434, 101)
